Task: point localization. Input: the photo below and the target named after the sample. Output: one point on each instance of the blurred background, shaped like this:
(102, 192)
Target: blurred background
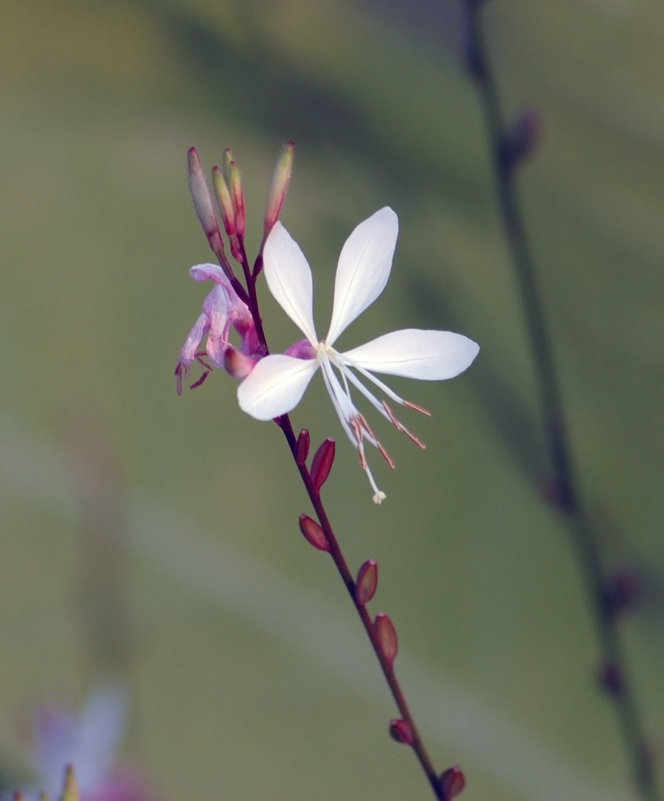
(153, 538)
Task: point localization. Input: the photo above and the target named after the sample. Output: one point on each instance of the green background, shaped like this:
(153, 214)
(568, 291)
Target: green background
(158, 535)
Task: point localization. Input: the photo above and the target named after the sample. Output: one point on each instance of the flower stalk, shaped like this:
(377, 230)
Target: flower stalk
(428, 355)
(508, 146)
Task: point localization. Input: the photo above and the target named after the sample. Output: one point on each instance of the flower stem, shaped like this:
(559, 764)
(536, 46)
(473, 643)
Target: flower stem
(340, 563)
(387, 666)
(568, 498)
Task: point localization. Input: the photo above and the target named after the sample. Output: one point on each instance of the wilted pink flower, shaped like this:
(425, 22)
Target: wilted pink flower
(222, 311)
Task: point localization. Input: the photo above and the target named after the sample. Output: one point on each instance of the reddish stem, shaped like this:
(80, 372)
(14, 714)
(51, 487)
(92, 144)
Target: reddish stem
(335, 550)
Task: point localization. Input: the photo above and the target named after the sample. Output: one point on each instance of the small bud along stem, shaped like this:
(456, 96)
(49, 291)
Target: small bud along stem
(313, 487)
(386, 663)
(566, 492)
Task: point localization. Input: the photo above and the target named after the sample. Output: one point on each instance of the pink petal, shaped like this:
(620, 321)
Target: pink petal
(210, 272)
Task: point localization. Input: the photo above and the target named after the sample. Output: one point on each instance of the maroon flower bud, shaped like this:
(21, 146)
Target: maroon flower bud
(322, 463)
(386, 636)
(303, 442)
(366, 582)
(522, 139)
(313, 533)
(402, 731)
(452, 783)
(611, 678)
(620, 590)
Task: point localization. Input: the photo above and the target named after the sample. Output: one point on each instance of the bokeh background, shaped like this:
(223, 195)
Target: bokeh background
(155, 537)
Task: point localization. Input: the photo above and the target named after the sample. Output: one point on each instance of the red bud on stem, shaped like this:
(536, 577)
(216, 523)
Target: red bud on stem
(452, 783)
(366, 582)
(313, 533)
(402, 731)
(322, 463)
(387, 637)
(303, 443)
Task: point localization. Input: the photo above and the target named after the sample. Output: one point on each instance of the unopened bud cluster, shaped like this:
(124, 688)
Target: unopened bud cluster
(226, 309)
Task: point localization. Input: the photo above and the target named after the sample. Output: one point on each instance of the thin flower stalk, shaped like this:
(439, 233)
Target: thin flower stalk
(267, 391)
(565, 491)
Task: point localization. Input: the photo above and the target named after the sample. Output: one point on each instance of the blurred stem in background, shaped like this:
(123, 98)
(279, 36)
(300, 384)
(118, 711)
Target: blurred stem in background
(509, 145)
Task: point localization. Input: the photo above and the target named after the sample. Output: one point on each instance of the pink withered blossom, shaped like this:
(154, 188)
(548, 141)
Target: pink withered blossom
(222, 311)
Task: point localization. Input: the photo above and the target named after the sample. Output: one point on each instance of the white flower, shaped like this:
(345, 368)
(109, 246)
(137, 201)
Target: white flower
(277, 383)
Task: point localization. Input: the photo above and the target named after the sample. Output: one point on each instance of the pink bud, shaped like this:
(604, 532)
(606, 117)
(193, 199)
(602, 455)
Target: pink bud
(452, 783)
(322, 463)
(366, 582)
(237, 194)
(279, 187)
(224, 200)
(386, 636)
(313, 533)
(402, 731)
(200, 194)
(303, 443)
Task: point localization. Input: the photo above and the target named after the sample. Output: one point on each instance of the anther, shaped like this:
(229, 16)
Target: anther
(401, 427)
(417, 408)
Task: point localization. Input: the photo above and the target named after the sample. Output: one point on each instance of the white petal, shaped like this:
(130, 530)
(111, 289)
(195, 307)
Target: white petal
(414, 353)
(275, 386)
(209, 272)
(288, 277)
(364, 267)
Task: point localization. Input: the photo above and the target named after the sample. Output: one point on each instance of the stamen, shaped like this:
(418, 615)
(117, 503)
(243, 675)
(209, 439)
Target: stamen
(354, 424)
(359, 434)
(373, 400)
(401, 427)
(390, 461)
(380, 384)
(417, 408)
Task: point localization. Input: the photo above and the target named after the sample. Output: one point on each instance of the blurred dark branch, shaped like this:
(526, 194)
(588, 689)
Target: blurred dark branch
(508, 146)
